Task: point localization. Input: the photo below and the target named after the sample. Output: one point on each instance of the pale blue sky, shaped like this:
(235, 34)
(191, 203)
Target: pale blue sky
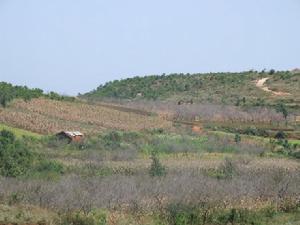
(72, 46)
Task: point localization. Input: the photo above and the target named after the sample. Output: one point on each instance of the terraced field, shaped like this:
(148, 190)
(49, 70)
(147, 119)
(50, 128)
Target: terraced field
(46, 116)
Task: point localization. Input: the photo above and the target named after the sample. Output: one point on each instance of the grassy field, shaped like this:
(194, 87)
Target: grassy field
(20, 132)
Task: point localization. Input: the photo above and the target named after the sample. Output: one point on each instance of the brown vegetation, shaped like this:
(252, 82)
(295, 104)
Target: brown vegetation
(49, 116)
(253, 185)
(206, 112)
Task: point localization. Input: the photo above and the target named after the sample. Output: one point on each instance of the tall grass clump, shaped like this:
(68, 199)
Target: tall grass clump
(156, 168)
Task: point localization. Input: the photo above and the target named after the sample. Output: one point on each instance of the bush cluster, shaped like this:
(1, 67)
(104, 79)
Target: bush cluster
(201, 214)
(156, 168)
(286, 148)
(15, 158)
(78, 218)
(8, 92)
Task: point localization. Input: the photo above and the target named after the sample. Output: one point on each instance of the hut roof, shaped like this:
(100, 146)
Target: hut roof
(71, 134)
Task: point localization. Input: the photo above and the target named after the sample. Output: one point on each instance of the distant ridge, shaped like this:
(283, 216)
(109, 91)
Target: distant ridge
(220, 88)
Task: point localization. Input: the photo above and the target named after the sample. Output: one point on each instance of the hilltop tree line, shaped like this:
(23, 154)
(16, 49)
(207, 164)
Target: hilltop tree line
(237, 89)
(180, 85)
(149, 87)
(9, 92)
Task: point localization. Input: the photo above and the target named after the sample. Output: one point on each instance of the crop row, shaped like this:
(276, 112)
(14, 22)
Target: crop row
(49, 116)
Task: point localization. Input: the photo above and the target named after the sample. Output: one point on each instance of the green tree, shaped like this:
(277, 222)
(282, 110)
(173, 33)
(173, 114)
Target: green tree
(272, 71)
(15, 158)
(5, 97)
(282, 109)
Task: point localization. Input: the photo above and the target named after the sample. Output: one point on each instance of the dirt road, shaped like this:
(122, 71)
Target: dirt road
(261, 84)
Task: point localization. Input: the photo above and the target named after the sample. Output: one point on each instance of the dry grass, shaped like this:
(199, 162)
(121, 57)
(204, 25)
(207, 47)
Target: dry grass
(188, 161)
(48, 116)
(252, 187)
(25, 214)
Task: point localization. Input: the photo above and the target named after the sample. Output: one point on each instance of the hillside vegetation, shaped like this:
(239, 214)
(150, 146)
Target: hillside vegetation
(225, 88)
(9, 92)
(20, 132)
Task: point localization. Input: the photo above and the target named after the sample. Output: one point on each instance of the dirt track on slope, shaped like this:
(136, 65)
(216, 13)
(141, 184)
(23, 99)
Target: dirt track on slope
(261, 84)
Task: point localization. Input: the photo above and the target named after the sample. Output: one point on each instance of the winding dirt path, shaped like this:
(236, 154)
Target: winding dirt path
(261, 84)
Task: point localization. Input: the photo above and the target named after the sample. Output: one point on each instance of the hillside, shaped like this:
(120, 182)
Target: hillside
(46, 116)
(222, 164)
(48, 113)
(224, 88)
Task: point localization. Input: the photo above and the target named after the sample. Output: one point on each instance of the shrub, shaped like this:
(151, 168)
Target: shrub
(178, 214)
(156, 168)
(15, 198)
(296, 154)
(50, 167)
(157, 131)
(4, 99)
(55, 142)
(15, 158)
(112, 139)
(228, 168)
(237, 138)
(238, 216)
(281, 108)
(271, 72)
(7, 137)
(251, 131)
(84, 219)
(225, 171)
(280, 135)
(101, 218)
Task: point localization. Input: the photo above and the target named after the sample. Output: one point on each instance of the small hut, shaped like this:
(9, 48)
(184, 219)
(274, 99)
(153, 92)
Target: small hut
(72, 136)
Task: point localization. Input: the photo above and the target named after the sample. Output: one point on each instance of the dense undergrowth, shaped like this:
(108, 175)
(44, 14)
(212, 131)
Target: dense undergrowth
(120, 145)
(17, 159)
(186, 215)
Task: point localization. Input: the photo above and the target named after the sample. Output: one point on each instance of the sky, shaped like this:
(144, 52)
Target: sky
(73, 46)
